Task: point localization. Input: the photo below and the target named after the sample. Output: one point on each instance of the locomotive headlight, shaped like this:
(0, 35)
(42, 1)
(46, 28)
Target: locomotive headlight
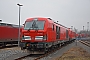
(41, 37)
(26, 38)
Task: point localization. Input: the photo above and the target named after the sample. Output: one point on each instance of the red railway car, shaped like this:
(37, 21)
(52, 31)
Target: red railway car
(41, 34)
(8, 34)
(77, 35)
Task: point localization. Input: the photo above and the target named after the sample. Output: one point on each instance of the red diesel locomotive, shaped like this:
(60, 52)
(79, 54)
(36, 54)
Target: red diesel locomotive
(8, 34)
(41, 34)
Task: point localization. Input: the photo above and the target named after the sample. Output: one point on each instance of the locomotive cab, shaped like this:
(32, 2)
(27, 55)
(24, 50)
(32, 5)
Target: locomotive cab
(34, 30)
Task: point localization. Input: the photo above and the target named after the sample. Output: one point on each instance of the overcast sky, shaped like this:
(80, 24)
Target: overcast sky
(68, 12)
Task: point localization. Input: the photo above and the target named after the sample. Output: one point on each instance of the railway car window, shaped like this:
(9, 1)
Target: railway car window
(9, 24)
(2, 24)
(33, 25)
(53, 27)
(66, 33)
(57, 32)
(16, 26)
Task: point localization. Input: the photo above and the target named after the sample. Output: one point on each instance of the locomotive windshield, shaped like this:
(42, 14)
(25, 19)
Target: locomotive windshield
(34, 25)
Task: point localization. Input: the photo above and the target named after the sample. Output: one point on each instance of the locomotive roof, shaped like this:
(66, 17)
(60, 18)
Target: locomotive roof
(7, 24)
(49, 19)
(58, 23)
(37, 17)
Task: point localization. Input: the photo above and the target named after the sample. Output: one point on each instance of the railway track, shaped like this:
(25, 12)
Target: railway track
(8, 53)
(40, 56)
(87, 43)
(37, 57)
(23, 57)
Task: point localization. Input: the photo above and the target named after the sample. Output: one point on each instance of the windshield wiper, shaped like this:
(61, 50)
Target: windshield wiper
(29, 28)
